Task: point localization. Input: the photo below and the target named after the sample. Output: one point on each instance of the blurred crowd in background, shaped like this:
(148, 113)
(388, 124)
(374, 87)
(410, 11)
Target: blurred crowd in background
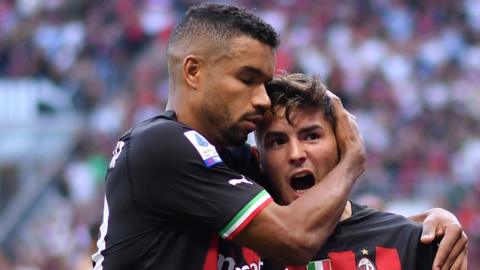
(409, 71)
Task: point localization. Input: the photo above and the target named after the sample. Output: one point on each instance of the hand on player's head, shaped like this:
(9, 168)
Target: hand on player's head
(349, 139)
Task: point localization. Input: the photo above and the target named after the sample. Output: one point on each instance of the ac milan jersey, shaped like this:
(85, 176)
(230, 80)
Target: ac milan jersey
(372, 240)
(171, 203)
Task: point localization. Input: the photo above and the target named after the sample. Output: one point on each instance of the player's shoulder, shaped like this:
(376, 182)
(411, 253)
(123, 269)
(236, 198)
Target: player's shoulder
(158, 130)
(159, 125)
(383, 218)
(172, 141)
(243, 158)
(239, 153)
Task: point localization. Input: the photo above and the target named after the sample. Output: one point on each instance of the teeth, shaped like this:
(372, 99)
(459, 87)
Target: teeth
(301, 175)
(301, 191)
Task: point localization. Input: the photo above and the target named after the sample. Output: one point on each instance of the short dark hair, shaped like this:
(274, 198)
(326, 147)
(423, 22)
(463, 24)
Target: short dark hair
(299, 91)
(222, 22)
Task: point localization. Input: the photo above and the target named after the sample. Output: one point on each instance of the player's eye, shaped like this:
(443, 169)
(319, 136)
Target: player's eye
(247, 80)
(311, 136)
(278, 142)
(274, 142)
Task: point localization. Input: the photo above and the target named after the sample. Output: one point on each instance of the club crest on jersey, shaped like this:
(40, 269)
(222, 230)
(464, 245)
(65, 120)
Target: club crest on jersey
(206, 150)
(365, 264)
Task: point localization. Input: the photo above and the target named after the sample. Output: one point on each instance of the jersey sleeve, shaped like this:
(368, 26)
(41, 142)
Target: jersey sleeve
(178, 177)
(425, 255)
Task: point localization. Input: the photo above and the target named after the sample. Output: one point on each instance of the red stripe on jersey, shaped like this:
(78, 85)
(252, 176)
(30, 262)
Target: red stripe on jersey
(250, 256)
(326, 265)
(211, 261)
(387, 259)
(342, 260)
(249, 218)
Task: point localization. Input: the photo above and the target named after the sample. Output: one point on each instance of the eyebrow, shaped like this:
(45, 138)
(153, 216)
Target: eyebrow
(255, 71)
(270, 134)
(311, 128)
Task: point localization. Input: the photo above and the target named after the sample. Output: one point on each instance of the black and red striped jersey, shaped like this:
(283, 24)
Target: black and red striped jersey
(171, 202)
(372, 240)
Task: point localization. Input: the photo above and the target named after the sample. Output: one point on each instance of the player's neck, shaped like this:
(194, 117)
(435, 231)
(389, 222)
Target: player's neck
(347, 212)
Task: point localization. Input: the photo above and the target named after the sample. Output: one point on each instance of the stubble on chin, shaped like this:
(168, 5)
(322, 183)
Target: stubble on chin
(220, 118)
(235, 135)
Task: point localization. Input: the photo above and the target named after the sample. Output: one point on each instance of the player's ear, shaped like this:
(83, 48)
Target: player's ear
(191, 70)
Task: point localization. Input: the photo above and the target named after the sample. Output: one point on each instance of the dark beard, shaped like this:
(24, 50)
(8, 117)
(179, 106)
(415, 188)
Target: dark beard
(219, 117)
(234, 135)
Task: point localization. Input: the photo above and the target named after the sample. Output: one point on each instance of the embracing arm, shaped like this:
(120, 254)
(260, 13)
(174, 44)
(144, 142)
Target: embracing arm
(293, 234)
(452, 250)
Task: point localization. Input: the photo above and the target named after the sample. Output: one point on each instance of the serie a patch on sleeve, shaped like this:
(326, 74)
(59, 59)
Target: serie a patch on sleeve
(206, 150)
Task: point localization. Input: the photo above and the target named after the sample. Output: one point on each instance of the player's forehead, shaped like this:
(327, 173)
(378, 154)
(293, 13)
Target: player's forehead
(296, 116)
(248, 55)
(302, 122)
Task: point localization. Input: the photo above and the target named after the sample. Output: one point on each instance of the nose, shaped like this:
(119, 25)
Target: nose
(260, 100)
(297, 155)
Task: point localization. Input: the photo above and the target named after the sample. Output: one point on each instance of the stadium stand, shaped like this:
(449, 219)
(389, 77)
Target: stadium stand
(75, 74)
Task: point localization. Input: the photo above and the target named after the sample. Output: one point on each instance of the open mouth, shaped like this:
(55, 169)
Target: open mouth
(302, 182)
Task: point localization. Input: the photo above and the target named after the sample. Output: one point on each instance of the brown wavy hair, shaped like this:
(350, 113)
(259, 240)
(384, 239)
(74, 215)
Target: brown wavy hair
(299, 91)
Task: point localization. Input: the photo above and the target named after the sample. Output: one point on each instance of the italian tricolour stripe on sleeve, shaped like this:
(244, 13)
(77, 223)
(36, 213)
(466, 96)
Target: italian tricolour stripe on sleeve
(244, 216)
(319, 265)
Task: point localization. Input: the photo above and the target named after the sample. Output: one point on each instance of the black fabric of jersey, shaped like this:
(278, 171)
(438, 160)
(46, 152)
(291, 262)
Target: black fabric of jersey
(166, 206)
(372, 240)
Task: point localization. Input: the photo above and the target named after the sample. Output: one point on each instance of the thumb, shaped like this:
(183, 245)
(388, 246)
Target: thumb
(428, 233)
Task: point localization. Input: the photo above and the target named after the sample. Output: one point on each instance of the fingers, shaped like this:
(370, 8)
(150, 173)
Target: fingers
(441, 224)
(460, 262)
(332, 95)
(346, 128)
(338, 105)
(428, 232)
(349, 139)
(465, 259)
(457, 250)
(450, 247)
